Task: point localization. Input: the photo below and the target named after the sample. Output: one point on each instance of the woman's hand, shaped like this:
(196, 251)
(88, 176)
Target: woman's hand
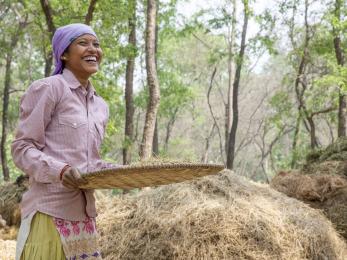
(72, 178)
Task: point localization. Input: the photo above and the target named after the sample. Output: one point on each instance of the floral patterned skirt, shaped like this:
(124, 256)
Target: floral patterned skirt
(46, 237)
(79, 238)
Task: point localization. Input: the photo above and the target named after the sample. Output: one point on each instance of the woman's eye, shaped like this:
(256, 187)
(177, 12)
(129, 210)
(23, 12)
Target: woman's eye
(96, 45)
(83, 43)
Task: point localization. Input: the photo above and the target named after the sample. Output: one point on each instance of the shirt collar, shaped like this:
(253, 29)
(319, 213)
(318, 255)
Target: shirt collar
(74, 83)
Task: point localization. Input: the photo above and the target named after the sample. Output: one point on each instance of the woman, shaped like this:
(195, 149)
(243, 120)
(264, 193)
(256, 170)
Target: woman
(61, 127)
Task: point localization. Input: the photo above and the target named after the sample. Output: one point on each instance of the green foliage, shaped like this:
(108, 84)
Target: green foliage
(174, 94)
(266, 38)
(282, 108)
(336, 78)
(141, 99)
(188, 51)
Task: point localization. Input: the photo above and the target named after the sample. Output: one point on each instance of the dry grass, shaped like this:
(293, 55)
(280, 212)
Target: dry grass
(7, 249)
(313, 187)
(10, 196)
(336, 151)
(326, 167)
(8, 233)
(217, 217)
(322, 191)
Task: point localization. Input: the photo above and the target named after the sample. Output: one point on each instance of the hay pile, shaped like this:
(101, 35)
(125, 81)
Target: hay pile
(336, 151)
(216, 217)
(7, 249)
(331, 160)
(7, 232)
(321, 183)
(10, 197)
(322, 191)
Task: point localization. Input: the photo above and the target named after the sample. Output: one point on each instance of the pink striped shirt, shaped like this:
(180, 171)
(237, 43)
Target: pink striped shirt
(60, 123)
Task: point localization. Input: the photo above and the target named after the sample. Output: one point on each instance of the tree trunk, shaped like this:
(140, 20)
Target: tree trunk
(313, 137)
(341, 130)
(204, 157)
(152, 81)
(295, 141)
(169, 127)
(167, 136)
(300, 80)
(342, 114)
(228, 106)
(236, 84)
(91, 8)
(47, 10)
(6, 97)
(5, 170)
(129, 79)
(155, 145)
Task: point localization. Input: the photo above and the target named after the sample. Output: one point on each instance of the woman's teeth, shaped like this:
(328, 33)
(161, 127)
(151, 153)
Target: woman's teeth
(90, 59)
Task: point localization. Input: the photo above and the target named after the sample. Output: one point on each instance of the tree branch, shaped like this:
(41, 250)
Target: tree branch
(212, 114)
(91, 8)
(47, 10)
(323, 111)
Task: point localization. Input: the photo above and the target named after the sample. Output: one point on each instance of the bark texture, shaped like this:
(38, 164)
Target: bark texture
(47, 10)
(155, 145)
(341, 129)
(152, 81)
(228, 107)
(129, 86)
(91, 8)
(6, 98)
(236, 84)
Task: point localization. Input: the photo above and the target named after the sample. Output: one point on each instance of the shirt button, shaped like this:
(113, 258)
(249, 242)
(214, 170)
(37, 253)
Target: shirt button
(74, 124)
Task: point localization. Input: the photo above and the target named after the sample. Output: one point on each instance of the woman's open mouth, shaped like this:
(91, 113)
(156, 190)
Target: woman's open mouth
(90, 59)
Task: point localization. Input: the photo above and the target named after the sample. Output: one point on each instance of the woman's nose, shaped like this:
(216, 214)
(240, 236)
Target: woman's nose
(91, 47)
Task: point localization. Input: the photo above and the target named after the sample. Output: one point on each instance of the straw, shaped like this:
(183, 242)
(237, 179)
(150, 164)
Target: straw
(139, 176)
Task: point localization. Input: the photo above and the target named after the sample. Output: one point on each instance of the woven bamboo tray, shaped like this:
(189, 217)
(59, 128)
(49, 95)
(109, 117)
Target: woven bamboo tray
(130, 177)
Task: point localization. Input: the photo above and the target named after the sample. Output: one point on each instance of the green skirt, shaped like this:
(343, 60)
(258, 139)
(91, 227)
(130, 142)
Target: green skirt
(43, 241)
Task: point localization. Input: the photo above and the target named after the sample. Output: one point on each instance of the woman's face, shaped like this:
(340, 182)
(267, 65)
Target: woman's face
(83, 56)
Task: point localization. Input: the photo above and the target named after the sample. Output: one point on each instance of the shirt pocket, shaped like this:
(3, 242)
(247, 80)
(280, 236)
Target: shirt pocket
(72, 121)
(99, 128)
(99, 131)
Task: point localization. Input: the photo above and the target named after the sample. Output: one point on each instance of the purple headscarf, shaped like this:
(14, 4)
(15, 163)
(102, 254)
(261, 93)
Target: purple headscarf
(63, 37)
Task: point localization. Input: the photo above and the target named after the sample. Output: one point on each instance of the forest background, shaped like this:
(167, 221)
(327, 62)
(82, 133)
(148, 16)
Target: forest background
(254, 85)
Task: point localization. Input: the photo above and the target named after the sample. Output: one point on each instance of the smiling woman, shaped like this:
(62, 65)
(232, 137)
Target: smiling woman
(61, 127)
(83, 57)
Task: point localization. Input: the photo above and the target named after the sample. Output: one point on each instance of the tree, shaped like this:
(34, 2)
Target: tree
(129, 78)
(236, 84)
(304, 85)
(300, 92)
(22, 23)
(152, 81)
(90, 12)
(155, 145)
(228, 105)
(47, 10)
(340, 59)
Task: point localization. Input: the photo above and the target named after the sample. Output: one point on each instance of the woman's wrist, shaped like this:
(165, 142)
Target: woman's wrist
(62, 171)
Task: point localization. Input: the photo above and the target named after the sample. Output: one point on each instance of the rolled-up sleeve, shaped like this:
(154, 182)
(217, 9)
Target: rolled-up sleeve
(36, 108)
